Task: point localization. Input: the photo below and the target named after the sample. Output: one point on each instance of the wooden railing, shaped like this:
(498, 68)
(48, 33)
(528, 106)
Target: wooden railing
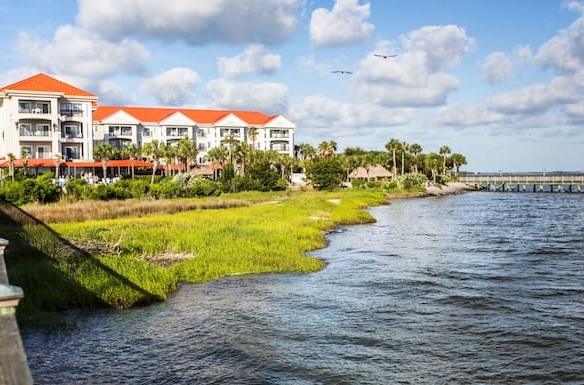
(14, 368)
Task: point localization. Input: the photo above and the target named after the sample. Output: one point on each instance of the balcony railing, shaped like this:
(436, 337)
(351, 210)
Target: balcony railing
(43, 133)
(73, 134)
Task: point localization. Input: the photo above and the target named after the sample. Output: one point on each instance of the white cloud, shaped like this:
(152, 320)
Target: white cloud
(174, 87)
(496, 68)
(443, 46)
(346, 23)
(433, 93)
(565, 51)
(196, 22)
(76, 52)
(466, 116)
(256, 59)
(557, 53)
(539, 97)
(269, 98)
(416, 77)
(111, 93)
(322, 116)
(524, 54)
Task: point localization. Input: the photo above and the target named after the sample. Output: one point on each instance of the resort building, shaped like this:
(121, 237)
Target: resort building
(44, 122)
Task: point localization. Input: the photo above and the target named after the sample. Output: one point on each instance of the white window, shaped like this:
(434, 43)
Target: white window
(25, 129)
(71, 109)
(71, 131)
(126, 130)
(43, 108)
(42, 152)
(42, 130)
(25, 107)
(71, 153)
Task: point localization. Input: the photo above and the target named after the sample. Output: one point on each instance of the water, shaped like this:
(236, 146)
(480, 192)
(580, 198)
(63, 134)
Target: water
(482, 288)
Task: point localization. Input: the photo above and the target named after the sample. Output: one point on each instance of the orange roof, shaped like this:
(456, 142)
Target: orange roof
(45, 83)
(157, 114)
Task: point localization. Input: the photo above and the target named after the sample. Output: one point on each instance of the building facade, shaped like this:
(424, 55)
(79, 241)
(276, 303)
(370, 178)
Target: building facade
(47, 119)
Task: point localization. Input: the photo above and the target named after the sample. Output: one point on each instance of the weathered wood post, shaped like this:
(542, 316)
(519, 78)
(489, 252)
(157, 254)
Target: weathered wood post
(14, 368)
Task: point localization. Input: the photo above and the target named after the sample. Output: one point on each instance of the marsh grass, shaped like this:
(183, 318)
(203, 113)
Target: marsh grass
(265, 233)
(100, 210)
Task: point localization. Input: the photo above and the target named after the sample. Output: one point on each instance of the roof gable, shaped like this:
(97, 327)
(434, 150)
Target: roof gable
(120, 117)
(177, 119)
(44, 83)
(231, 120)
(280, 122)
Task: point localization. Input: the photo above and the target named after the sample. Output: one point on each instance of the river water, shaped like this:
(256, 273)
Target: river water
(479, 288)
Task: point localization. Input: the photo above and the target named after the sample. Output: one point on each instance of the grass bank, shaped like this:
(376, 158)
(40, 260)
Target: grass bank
(115, 262)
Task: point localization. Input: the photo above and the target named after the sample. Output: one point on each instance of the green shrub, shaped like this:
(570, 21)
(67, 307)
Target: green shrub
(77, 189)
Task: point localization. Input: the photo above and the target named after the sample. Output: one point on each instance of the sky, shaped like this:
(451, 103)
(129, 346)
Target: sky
(500, 82)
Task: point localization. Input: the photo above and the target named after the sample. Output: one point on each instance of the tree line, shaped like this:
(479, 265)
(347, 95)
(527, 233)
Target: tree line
(239, 166)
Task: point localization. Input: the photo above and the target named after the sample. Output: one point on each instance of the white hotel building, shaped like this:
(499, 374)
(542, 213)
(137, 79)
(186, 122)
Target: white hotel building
(52, 119)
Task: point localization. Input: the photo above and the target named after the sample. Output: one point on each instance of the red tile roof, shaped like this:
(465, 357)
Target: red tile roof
(157, 114)
(44, 83)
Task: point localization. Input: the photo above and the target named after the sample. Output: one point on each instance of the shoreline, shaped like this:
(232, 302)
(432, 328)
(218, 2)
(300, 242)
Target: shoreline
(448, 189)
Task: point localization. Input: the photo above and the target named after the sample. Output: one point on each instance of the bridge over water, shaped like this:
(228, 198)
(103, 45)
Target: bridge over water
(526, 182)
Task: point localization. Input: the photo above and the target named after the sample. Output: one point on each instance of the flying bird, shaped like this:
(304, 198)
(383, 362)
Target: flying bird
(384, 56)
(342, 72)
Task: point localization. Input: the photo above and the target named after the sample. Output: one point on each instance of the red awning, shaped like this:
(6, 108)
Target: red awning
(31, 163)
(110, 163)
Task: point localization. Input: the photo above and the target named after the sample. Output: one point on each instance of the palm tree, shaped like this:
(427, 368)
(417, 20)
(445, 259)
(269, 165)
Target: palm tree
(186, 151)
(392, 146)
(432, 162)
(242, 151)
(457, 161)
(11, 159)
(252, 132)
(132, 152)
(169, 154)
(351, 162)
(58, 159)
(415, 150)
(104, 152)
(230, 143)
(25, 156)
(444, 150)
(217, 155)
(306, 151)
(404, 148)
(154, 150)
(326, 149)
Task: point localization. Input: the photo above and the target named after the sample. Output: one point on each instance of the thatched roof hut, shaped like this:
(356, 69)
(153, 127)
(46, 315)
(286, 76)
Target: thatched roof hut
(376, 172)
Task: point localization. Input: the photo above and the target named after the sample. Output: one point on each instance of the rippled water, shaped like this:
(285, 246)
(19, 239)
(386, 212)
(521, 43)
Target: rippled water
(482, 288)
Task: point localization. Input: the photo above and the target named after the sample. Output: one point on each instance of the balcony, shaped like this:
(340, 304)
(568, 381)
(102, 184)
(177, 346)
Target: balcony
(43, 133)
(71, 132)
(280, 146)
(279, 134)
(34, 114)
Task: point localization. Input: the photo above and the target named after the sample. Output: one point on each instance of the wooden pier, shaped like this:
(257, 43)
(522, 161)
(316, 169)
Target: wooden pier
(572, 183)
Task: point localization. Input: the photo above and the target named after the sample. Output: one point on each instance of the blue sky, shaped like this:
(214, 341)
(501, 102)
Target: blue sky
(501, 82)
